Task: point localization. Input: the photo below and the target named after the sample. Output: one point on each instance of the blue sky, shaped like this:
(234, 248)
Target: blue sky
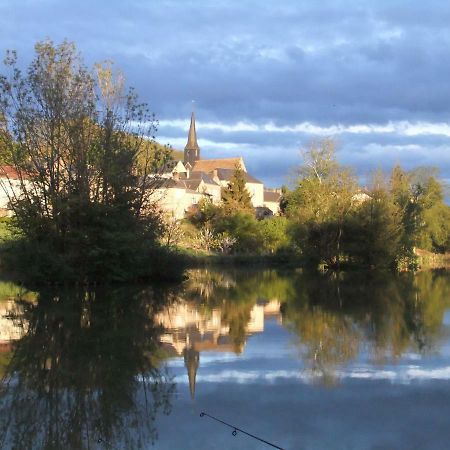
(268, 77)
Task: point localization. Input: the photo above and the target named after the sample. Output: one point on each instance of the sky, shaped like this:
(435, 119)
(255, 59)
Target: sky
(270, 77)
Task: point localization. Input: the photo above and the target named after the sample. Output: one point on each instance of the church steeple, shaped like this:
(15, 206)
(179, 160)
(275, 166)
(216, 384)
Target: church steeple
(192, 150)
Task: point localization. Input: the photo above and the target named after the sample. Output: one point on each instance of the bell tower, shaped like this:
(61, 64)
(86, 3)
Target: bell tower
(192, 150)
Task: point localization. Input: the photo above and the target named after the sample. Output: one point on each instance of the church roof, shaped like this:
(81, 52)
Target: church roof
(208, 165)
(201, 176)
(226, 175)
(192, 136)
(171, 183)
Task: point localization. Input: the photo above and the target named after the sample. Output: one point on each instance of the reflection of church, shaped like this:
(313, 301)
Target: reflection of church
(189, 332)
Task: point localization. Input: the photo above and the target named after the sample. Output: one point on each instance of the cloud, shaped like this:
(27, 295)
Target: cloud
(402, 128)
(266, 78)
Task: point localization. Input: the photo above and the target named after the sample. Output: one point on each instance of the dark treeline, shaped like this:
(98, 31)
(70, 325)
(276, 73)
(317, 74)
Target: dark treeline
(82, 155)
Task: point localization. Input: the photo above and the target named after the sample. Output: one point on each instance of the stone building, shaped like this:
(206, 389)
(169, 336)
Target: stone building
(194, 178)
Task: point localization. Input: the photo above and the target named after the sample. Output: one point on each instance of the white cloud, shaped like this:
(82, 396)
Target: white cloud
(400, 128)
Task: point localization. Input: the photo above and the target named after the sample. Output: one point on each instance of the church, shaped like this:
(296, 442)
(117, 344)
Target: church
(186, 182)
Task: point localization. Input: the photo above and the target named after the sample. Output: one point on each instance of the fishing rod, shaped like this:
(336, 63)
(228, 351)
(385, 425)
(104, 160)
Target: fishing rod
(236, 429)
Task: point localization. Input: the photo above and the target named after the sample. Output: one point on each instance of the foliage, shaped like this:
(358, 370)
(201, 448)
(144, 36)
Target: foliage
(100, 349)
(206, 239)
(205, 213)
(274, 234)
(321, 203)
(172, 231)
(225, 242)
(331, 220)
(244, 228)
(374, 231)
(235, 196)
(78, 143)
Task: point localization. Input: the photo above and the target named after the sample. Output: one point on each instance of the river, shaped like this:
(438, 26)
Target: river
(300, 360)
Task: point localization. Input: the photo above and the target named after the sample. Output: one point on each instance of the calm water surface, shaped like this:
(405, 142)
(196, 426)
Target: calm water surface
(303, 361)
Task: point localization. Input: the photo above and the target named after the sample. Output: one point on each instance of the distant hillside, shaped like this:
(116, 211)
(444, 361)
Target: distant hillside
(177, 155)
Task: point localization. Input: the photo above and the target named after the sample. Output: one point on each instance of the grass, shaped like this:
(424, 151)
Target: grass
(5, 231)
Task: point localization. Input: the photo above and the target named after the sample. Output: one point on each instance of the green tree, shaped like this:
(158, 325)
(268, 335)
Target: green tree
(419, 196)
(244, 228)
(274, 234)
(321, 203)
(376, 229)
(77, 141)
(235, 196)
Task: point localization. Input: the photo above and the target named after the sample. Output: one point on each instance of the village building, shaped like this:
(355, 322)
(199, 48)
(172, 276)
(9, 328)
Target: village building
(10, 187)
(195, 178)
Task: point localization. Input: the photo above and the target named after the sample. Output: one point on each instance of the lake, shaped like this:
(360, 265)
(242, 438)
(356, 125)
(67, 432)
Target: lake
(300, 360)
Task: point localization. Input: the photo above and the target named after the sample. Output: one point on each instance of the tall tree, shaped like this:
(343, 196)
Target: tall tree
(321, 203)
(235, 196)
(78, 144)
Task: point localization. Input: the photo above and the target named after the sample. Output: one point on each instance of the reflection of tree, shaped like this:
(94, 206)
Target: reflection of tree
(333, 316)
(86, 370)
(235, 293)
(237, 316)
(326, 340)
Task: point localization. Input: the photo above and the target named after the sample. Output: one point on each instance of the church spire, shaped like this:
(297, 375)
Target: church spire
(192, 150)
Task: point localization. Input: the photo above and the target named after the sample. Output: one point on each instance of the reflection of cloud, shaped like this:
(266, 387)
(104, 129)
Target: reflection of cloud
(400, 374)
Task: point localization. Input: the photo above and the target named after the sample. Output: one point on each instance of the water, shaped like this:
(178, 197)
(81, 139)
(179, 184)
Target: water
(303, 361)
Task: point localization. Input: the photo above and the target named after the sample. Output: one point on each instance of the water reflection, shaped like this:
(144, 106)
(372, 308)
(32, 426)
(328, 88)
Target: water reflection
(334, 318)
(86, 371)
(216, 313)
(79, 367)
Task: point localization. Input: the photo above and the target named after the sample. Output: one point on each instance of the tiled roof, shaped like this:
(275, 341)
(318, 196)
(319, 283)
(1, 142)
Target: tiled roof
(192, 184)
(11, 173)
(226, 174)
(208, 165)
(270, 196)
(201, 176)
(170, 183)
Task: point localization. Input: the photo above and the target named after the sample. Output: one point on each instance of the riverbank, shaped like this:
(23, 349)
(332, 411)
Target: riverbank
(196, 259)
(203, 259)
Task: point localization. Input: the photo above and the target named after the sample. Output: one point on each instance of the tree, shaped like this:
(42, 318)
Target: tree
(244, 229)
(274, 234)
(419, 196)
(235, 196)
(82, 151)
(321, 203)
(376, 229)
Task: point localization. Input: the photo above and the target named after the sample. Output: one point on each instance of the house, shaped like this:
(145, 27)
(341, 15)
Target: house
(272, 198)
(10, 187)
